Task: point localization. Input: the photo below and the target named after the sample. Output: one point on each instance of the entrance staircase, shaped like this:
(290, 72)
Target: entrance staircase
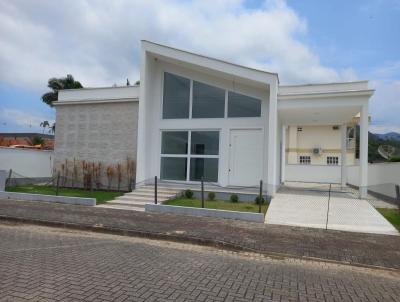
(137, 199)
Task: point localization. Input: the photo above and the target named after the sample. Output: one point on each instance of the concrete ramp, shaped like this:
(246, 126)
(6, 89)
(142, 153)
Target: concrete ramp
(319, 209)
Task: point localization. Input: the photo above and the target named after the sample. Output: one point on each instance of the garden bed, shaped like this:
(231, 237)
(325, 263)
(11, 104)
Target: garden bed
(100, 196)
(217, 204)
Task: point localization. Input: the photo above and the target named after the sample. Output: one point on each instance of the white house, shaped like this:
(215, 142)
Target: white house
(232, 125)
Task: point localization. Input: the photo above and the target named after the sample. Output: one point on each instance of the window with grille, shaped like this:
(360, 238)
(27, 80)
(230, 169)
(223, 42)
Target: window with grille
(332, 160)
(305, 160)
(299, 129)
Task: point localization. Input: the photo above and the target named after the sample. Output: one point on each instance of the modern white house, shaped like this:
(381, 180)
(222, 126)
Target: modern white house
(196, 117)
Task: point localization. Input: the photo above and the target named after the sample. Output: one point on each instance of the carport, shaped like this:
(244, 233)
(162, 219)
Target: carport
(326, 206)
(321, 105)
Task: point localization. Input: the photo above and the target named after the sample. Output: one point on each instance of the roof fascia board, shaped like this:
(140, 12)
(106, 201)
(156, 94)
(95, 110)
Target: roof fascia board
(95, 101)
(293, 96)
(329, 103)
(210, 63)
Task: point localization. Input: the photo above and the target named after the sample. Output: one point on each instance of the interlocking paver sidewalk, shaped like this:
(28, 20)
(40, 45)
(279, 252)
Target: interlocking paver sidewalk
(354, 248)
(52, 264)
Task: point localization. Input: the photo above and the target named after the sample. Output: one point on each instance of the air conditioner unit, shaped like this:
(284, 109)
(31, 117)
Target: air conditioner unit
(317, 151)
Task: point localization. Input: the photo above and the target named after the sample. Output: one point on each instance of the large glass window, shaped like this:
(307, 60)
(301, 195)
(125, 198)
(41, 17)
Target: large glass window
(205, 142)
(240, 105)
(208, 101)
(174, 142)
(204, 167)
(173, 168)
(180, 163)
(176, 96)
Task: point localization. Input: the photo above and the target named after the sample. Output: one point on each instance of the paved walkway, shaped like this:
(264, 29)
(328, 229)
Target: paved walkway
(47, 264)
(316, 208)
(354, 248)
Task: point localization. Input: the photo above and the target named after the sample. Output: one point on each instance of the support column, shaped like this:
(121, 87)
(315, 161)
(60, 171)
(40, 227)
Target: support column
(272, 141)
(364, 151)
(283, 154)
(343, 155)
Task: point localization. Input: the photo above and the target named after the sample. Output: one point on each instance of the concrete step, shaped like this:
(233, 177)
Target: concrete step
(135, 203)
(159, 190)
(121, 207)
(135, 198)
(150, 194)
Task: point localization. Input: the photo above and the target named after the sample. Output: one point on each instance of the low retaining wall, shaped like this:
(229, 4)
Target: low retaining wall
(49, 198)
(157, 208)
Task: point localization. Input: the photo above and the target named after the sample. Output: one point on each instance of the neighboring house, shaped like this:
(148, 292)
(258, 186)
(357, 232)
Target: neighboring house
(195, 116)
(21, 140)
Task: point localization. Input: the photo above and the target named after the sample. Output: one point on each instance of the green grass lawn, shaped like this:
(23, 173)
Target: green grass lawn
(392, 215)
(101, 196)
(217, 204)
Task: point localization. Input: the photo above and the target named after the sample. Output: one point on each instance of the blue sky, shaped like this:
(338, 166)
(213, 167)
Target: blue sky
(98, 41)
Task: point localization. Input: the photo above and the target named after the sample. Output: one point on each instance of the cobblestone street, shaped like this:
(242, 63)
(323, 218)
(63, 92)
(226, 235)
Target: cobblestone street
(50, 264)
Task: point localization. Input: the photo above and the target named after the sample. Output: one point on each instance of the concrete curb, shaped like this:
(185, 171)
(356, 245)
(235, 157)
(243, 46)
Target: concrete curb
(49, 198)
(247, 216)
(181, 238)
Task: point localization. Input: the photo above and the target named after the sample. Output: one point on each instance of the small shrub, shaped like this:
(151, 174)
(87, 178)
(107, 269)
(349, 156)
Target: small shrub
(234, 198)
(211, 196)
(257, 200)
(395, 159)
(189, 193)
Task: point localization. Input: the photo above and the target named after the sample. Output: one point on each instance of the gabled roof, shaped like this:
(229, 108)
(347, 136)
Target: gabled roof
(209, 63)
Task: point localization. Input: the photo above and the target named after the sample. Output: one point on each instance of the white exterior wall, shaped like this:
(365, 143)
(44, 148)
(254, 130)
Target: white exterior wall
(313, 173)
(324, 137)
(27, 162)
(103, 93)
(155, 124)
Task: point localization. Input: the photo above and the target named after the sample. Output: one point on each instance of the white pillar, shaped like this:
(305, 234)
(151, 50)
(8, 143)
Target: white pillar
(283, 154)
(364, 151)
(272, 141)
(343, 155)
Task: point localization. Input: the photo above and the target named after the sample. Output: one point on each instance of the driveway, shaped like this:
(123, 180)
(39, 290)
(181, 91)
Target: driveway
(314, 207)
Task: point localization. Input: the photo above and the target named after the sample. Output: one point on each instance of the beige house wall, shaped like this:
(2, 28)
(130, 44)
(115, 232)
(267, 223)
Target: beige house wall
(104, 132)
(299, 143)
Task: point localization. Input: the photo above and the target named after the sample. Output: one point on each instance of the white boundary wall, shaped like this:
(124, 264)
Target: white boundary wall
(381, 177)
(27, 162)
(313, 173)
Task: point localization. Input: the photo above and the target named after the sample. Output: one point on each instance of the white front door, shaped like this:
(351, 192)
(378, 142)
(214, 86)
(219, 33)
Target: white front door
(245, 157)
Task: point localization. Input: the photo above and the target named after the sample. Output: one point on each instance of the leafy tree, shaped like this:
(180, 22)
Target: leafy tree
(56, 84)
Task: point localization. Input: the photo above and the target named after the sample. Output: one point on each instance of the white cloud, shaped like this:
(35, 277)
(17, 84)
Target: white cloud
(22, 120)
(385, 106)
(98, 41)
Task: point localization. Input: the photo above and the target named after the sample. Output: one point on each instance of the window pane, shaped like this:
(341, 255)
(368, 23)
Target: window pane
(176, 96)
(173, 168)
(240, 105)
(174, 142)
(208, 101)
(204, 167)
(205, 142)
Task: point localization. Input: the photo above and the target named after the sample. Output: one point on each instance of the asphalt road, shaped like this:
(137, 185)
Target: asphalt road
(50, 264)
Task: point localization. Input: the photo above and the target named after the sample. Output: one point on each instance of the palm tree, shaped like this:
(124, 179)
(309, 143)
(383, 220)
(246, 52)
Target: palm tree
(44, 125)
(57, 84)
